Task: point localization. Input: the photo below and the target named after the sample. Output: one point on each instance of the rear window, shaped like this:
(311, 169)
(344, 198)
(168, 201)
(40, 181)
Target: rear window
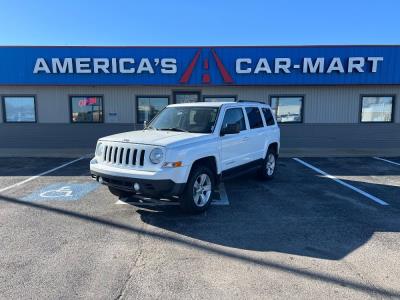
(254, 116)
(269, 119)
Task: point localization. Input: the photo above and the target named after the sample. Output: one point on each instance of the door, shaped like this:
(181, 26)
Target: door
(186, 97)
(257, 134)
(233, 150)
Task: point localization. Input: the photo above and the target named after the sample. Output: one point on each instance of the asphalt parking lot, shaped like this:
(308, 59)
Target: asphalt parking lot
(323, 228)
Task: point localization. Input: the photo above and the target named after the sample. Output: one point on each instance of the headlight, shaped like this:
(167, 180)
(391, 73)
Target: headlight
(99, 149)
(156, 155)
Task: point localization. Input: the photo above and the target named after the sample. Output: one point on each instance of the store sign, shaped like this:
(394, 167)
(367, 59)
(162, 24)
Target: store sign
(200, 65)
(168, 65)
(123, 65)
(318, 65)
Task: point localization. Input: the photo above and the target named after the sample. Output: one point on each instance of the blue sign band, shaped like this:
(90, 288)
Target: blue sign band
(312, 65)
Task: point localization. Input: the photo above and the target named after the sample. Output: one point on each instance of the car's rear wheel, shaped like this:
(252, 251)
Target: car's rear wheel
(120, 193)
(268, 167)
(197, 196)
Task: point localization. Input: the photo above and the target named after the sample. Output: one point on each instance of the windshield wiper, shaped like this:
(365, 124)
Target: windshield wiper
(173, 129)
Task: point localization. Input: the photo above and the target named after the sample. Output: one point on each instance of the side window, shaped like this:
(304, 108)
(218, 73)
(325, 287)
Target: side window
(254, 116)
(377, 108)
(86, 109)
(269, 119)
(19, 109)
(288, 109)
(234, 116)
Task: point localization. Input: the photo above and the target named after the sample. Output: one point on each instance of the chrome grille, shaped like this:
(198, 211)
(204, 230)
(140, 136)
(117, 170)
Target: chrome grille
(124, 155)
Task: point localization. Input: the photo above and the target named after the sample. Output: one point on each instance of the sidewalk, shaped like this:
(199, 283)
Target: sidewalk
(285, 152)
(37, 152)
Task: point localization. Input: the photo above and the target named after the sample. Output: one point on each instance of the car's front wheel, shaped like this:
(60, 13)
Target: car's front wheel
(197, 196)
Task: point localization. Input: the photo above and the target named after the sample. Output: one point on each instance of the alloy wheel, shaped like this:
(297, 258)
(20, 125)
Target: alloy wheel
(202, 190)
(270, 166)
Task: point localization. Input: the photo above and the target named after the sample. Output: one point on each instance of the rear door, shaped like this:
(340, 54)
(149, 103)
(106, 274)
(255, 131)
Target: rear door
(233, 151)
(256, 135)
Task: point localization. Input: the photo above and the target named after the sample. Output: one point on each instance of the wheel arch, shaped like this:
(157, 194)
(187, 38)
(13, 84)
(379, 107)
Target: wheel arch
(274, 146)
(210, 161)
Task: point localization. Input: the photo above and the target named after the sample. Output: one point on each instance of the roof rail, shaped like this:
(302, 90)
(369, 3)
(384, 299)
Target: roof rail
(254, 101)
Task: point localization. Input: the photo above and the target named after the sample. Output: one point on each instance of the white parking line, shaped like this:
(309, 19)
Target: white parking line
(369, 196)
(42, 174)
(153, 202)
(388, 161)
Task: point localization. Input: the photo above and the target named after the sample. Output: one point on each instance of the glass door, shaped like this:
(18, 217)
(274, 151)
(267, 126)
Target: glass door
(186, 97)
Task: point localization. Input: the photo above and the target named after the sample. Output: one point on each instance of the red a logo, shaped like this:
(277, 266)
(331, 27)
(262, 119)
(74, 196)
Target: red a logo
(206, 78)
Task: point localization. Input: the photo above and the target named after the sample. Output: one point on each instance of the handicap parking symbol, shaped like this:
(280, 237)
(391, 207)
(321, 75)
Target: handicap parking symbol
(62, 192)
(65, 191)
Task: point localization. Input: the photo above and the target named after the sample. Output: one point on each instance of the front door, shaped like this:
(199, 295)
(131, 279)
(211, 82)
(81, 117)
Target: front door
(233, 151)
(186, 97)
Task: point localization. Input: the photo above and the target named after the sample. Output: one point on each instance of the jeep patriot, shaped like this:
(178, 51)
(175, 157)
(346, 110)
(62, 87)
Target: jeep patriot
(187, 149)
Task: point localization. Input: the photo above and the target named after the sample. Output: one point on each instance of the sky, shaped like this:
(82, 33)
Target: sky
(201, 22)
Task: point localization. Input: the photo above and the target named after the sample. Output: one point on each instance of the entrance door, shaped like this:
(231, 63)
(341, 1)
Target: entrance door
(186, 97)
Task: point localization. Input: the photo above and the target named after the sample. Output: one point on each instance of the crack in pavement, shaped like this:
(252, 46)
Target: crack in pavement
(124, 287)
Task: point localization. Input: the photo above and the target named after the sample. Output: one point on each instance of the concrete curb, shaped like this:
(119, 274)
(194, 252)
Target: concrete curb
(36, 152)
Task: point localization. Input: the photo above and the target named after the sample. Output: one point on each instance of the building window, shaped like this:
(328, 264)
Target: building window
(186, 97)
(86, 109)
(288, 109)
(219, 98)
(254, 116)
(149, 107)
(377, 108)
(19, 109)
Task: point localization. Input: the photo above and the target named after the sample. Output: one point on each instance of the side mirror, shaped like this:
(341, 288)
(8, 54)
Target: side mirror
(232, 128)
(144, 124)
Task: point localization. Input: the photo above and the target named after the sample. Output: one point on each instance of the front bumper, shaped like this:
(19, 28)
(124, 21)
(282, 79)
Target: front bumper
(177, 175)
(164, 182)
(148, 187)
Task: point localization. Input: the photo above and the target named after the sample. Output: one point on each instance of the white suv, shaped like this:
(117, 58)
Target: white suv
(187, 149)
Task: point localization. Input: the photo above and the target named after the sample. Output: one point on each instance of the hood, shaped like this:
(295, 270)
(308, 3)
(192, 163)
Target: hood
(154, 137)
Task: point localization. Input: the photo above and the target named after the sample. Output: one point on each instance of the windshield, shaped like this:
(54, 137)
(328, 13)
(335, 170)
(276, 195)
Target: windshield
(186, 119)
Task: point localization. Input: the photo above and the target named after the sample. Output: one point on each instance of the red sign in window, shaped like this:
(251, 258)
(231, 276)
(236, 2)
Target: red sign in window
(87, 101)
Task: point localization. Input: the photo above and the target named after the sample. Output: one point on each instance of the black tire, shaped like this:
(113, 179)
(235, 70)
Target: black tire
(189, 196)
(120, 193)
(268, 166)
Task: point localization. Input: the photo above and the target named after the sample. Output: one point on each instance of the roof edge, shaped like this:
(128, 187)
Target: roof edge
(201, 46)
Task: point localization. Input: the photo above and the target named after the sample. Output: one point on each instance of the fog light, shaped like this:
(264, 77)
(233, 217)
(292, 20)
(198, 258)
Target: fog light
(136, 186)
(99, 179)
